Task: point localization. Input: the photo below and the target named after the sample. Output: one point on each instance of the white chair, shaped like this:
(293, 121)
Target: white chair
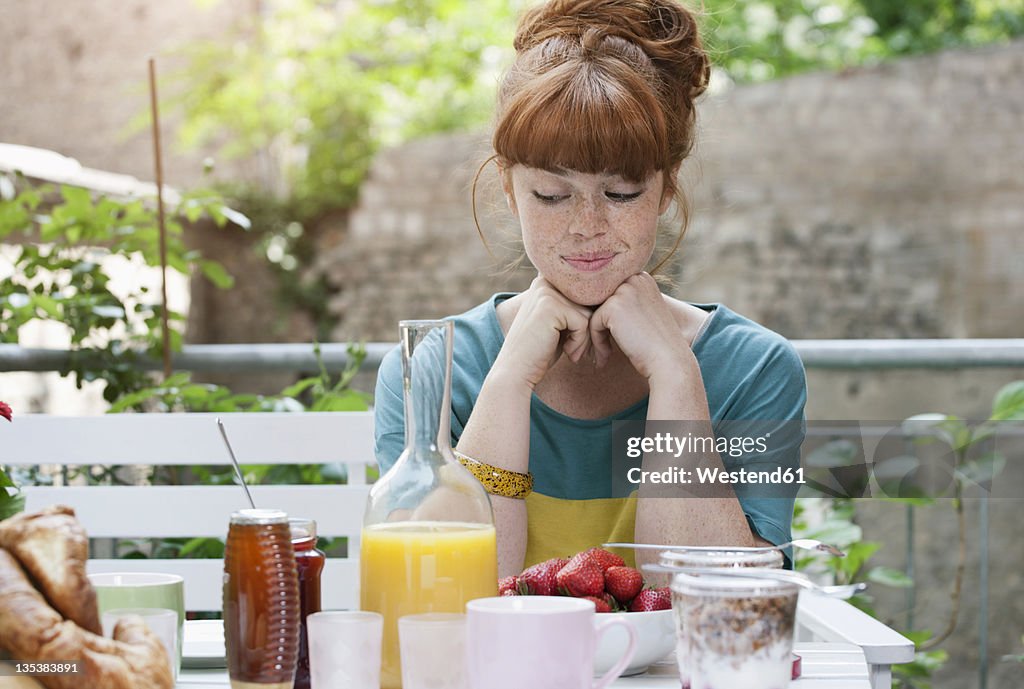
(265, 438)
(191, 510)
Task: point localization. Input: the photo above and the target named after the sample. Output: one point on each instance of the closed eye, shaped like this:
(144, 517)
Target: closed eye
(549, 199)
(623, 198)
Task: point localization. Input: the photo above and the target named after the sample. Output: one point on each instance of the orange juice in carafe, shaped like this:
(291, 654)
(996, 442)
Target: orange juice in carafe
(428, 540)
(414, 567)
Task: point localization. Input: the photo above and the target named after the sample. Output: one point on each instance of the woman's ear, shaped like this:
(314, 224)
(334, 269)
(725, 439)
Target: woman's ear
(506, 187)
(667, 188)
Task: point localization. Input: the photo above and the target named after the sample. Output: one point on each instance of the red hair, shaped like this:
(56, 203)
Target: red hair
(603, 86)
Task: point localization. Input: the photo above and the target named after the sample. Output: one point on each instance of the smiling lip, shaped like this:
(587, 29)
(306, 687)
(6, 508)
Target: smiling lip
(589, 262)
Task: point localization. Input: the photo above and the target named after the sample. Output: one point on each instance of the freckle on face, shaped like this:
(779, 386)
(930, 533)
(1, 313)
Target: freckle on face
(553, 231)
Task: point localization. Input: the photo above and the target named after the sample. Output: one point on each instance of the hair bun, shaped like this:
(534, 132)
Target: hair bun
(663, 29)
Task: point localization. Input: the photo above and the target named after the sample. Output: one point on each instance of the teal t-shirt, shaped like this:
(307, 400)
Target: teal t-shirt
(750, 374)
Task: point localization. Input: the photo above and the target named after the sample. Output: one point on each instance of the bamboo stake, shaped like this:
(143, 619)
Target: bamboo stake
(165, 327)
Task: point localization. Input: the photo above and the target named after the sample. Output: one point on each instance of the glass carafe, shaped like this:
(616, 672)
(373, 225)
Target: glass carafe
(428, 540)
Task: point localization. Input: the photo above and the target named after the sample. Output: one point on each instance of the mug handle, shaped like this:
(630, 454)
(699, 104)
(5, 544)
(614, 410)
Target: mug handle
(617, 669)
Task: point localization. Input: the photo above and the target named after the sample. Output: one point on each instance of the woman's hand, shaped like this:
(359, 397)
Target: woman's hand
(643, 326)
(546, 326)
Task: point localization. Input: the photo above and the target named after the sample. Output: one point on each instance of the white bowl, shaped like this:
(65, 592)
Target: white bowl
(655, 639)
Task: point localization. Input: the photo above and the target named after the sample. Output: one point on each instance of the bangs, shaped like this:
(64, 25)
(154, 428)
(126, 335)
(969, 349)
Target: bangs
(586, 119)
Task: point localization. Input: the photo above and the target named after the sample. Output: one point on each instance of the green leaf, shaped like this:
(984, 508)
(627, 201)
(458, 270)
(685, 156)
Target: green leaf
(349, 400)
(216, 274)
(982, 470)
(193, 210)
(888, 576)
(1008, 403)
(47, 305)
(839, 533)
(77, 201)
(298, 388)
(857, 555)
(919, 636)
(202, 547)
(931, 426)
(5, 480)
(915, 502)
(11, 505)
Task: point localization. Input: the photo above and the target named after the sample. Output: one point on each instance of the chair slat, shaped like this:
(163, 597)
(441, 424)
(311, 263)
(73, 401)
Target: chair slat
(190, 511)
(183, 439)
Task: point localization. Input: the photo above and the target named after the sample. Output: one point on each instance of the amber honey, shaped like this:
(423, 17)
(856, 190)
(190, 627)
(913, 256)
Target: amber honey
(261, 601)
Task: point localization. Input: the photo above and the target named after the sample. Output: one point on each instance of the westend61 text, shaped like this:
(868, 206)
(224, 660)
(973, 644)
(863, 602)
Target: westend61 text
(714, 475)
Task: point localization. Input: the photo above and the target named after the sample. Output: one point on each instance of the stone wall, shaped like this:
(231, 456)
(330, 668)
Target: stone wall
(882, 202)
(412, 250)
(73, 77)
(878, 202)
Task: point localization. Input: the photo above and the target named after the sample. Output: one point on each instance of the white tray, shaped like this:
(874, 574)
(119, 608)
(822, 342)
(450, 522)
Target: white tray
(204, 644)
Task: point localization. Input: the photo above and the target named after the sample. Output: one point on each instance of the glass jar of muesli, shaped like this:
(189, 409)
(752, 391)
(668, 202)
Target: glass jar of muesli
(765, 558)
(736, 631)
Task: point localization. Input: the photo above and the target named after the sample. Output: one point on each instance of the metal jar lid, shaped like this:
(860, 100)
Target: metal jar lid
(302, 527)
(259, 516)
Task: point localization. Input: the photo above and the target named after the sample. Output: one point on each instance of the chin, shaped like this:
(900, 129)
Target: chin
(586, 295)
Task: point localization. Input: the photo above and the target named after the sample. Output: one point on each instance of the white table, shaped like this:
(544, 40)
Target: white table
(825, 666)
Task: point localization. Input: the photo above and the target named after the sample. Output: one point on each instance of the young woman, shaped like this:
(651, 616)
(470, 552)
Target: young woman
(594, 118)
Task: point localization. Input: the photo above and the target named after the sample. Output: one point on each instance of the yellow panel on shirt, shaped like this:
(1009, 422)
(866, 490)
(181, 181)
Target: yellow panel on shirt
(559, 528)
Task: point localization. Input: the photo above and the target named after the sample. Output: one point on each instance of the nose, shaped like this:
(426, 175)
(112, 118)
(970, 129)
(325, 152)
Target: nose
(589, 220)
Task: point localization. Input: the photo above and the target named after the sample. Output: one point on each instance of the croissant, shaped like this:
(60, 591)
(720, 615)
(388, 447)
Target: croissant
(31, 630)
(53, 547)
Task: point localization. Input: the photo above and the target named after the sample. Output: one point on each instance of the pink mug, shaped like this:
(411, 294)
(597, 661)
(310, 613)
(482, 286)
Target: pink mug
(540, 642)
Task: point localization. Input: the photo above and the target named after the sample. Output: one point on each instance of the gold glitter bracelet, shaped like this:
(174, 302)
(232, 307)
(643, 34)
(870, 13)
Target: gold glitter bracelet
(498, 481)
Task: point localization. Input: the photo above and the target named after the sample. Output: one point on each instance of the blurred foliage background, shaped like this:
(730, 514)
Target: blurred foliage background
(312, 89)
(322, 85)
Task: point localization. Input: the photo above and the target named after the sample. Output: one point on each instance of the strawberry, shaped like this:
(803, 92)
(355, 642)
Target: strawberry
(623, 582)
(612, 603)
(651, 599)
(600, 603)
(602, 558)
(508, 584)
(540, 579)
(581, 579)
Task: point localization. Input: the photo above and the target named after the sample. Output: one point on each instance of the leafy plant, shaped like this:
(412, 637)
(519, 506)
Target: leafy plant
(179, 394)
(10, 503)
(837, 526)
(961, 438)
(59, 274)
(325, 85)
(753, 40)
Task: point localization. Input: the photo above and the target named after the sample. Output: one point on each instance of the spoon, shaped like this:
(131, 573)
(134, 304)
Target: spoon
(805, 543)
(238, 469)
(842, 591)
